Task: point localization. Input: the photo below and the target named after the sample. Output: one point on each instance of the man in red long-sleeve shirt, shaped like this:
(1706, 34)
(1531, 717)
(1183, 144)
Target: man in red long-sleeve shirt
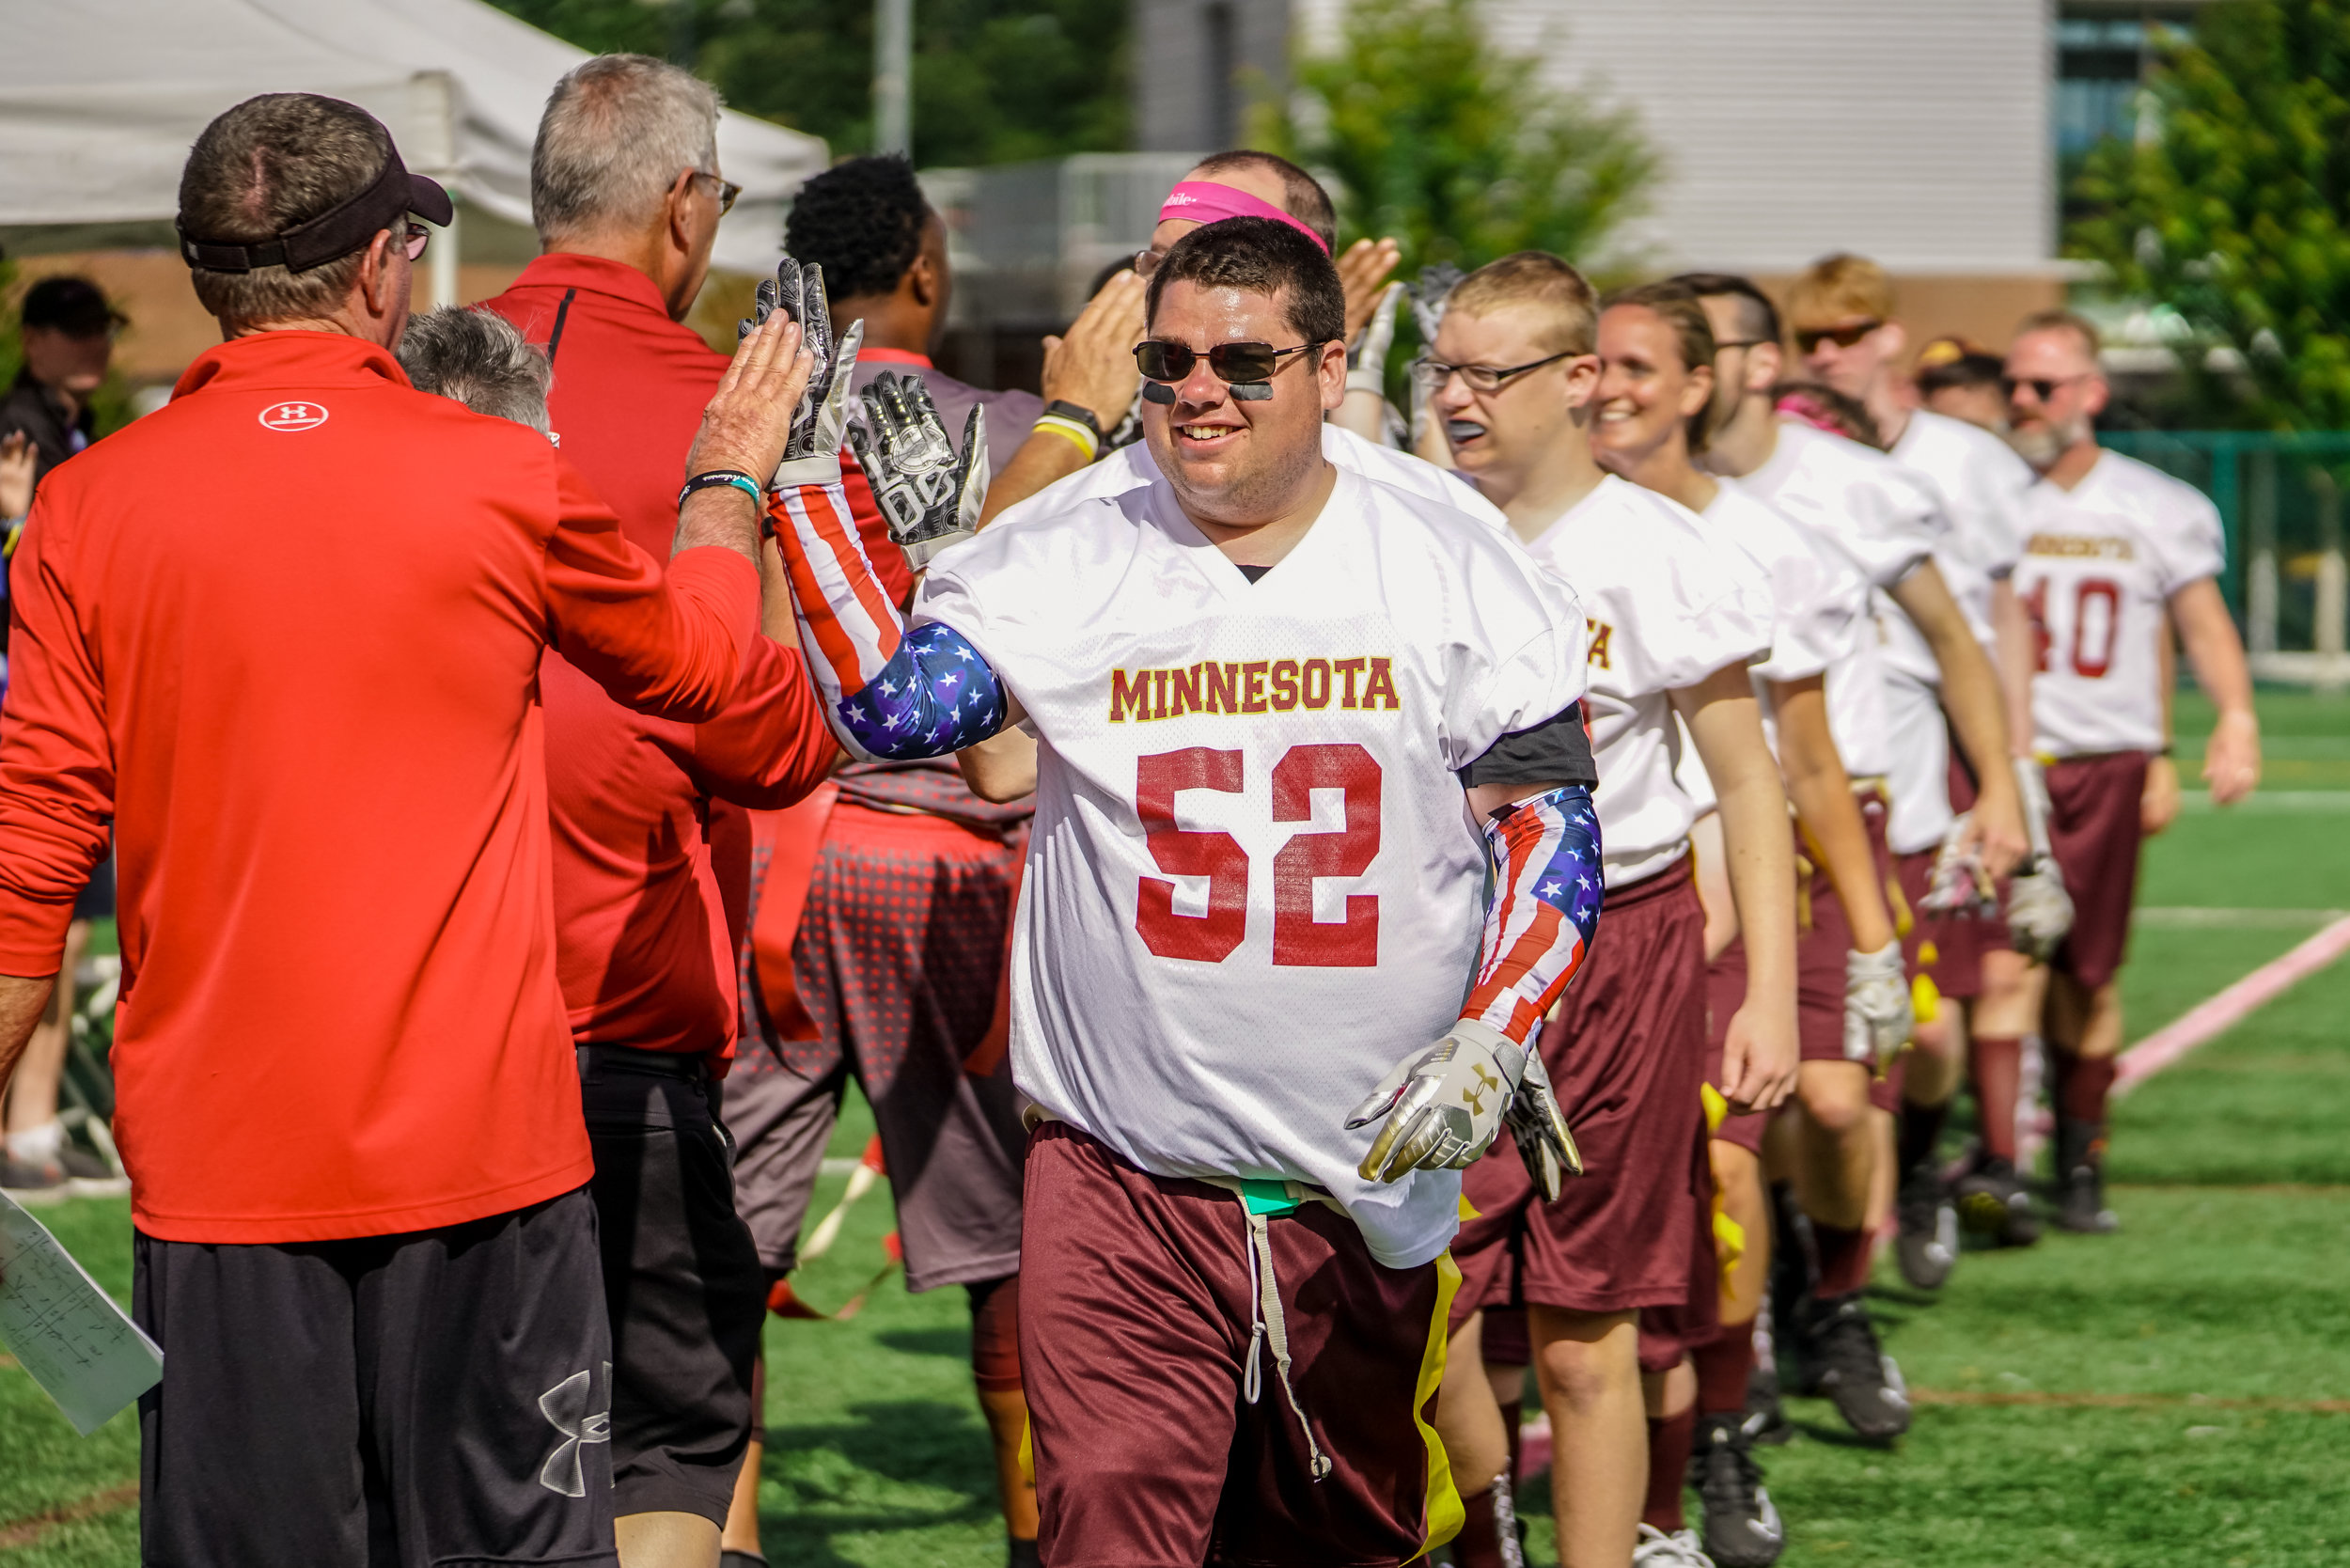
(626, 191)
(287, 635)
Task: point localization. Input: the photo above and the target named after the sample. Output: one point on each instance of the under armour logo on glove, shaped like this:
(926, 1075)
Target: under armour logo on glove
(568, 1407)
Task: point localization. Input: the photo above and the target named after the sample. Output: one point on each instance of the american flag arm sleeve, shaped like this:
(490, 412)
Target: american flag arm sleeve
(888, 693)
(1542, 909)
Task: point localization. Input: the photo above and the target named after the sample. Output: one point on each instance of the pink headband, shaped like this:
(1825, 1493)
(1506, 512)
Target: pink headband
(1205, 201)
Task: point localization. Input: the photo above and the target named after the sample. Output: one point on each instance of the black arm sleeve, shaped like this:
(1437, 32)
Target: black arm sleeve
(1555, 751)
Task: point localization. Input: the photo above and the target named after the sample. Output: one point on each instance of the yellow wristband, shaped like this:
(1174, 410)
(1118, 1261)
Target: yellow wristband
(1075, 432)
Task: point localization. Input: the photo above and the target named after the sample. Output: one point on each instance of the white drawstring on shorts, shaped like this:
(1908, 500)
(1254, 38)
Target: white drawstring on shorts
(1267, 1325)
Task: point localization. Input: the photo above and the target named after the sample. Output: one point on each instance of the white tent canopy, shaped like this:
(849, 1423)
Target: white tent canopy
(100, 98)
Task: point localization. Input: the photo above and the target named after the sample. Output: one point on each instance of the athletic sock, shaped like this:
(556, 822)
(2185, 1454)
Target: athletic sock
(38, 1145)
(1920, 1130)
(2083, 1084)
(1021, 1554)
(1997, 1065)
(1724, 1364)
(1670, 1441)
(1843, 1259)
(1489, 1534)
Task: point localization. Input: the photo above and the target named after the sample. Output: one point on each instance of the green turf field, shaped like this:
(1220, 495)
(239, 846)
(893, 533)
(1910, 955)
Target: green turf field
(2178, 1393)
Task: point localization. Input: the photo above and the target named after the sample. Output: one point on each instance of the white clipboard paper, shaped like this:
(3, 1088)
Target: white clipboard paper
(81, 1348)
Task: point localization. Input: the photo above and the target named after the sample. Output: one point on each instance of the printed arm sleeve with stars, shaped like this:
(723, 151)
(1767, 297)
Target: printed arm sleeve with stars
(890, 694)
(1541, 910)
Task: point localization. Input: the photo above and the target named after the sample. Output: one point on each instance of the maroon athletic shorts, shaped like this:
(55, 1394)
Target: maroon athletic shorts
(1626, 1051)
(1136, 1311)
(1947, 948)
(2094, 829)
(1671, 1332)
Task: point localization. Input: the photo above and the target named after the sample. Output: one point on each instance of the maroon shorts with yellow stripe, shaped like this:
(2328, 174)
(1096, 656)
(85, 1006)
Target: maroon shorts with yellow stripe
(1138, 1306)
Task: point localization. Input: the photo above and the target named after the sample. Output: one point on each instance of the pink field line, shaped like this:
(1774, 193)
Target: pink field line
(2166, 1046)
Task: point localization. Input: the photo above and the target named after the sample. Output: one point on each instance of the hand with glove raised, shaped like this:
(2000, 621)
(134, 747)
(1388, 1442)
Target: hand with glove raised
(1878, 1016)
(812, 454)
(930, 497)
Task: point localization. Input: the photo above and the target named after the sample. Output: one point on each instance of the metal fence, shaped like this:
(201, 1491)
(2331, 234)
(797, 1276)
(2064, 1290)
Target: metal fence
(2280, 498)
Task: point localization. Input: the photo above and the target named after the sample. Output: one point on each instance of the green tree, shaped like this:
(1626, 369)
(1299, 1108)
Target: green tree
(2231, 208)
(995, 81)
(1455, 149)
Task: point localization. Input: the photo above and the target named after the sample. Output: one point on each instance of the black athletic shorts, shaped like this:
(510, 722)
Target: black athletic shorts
(432, 1399)
(681, 1280)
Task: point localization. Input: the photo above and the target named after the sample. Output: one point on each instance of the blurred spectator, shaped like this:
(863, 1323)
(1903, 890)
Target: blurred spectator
(69, 335)
(1965, 381)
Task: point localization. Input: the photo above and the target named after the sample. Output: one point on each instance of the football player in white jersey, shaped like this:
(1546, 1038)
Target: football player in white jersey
(1841, 313)
(1312, 769)
(2113, 549)
(1674, 620)
(1658, 354)
(1887, 520)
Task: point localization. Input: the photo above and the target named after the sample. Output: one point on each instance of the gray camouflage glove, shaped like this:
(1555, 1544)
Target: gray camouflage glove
(1959, 885)
(812, 454)
(1878, 1018)
(1367, 367)
(1442, 1105)
(929, 498)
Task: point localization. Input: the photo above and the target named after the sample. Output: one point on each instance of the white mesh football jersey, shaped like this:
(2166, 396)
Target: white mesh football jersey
(2100, 564)
(1887, 521)
(1132, 467)
(1819, 606)
(1253, 882)
(1666, 606)
(1982, 483)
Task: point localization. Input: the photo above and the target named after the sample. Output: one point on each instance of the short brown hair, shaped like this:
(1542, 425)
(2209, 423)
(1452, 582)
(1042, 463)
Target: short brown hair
(2092, 343)
(1569, 308)
(1837, 286)
(263, 167)
(1259, 255)
(1678, 306)
(1302, 195)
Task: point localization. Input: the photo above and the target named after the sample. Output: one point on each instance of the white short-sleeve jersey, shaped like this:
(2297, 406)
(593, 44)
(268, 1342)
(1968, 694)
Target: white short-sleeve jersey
(1132, 467)
(1819, 604)
(1253, 882)
(1889, 521)
(1981, 483)
(2100, 564)
(1666, 606)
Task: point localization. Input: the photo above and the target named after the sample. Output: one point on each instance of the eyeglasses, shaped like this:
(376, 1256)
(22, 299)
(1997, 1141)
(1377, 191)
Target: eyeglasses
(728, 190)
(2043, 387)
(1741, 343)
(1432, 373)
(1147, 262)
(1808, 338)
(1234, 364)
(417, 238)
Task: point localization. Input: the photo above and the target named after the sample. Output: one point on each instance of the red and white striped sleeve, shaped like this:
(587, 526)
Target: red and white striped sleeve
(1544, 908)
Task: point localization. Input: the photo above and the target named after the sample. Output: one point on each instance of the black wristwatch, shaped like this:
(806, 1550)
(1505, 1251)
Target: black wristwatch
(1061, 408)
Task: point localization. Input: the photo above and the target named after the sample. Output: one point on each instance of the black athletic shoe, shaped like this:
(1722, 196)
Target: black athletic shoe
(1742, 1528)
(2079, 1191)
(1992, 1202)
(1927, 1247)
(1766, 1418)
(1845, 1363)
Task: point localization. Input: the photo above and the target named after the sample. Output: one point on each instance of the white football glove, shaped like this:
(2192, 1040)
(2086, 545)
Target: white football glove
(1959, 885)
(1367, 367)
(1538, 1128)
(1443, 1106)
(1878, 1019)
(811, 453)
(930, 497)
(2039, 910)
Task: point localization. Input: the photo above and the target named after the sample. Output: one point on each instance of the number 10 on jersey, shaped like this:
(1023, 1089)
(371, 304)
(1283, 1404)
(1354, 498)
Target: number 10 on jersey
(1298, 938)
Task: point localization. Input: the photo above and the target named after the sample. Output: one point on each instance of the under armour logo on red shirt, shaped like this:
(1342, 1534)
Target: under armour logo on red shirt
(293, 416)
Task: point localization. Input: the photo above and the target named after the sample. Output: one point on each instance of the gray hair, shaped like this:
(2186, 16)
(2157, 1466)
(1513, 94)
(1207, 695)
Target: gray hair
(269, 164)
(616, 133)
(480, 359)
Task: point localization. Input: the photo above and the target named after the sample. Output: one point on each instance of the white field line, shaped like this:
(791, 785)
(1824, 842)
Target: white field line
(2267, 803)
(2209, 1017)
(2176, 916)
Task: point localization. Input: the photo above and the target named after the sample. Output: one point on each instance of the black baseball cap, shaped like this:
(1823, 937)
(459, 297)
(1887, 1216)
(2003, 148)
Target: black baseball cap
(71, 306)
(336, 233)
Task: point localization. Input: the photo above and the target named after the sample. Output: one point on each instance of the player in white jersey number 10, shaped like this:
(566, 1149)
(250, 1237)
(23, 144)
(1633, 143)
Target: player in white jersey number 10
(1311, 765)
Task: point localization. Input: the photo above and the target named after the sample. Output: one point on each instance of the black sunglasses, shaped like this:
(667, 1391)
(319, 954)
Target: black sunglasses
(2043, 387)
(1235, 364)
(1808, 338)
